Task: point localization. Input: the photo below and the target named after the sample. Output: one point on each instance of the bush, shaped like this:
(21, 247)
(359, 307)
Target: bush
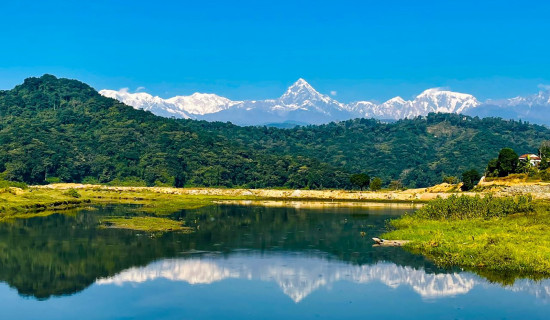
(376, 184)
(469, 179)
(51, 180)
(72, 193)
(467, 207)
(7, 184)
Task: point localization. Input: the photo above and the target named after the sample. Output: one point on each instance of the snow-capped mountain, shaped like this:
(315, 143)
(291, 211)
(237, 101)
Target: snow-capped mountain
(201, 103)
(147, 102)
(302, 104)
(533, 108)
(431, 100)
(540, 99)
(185, 107)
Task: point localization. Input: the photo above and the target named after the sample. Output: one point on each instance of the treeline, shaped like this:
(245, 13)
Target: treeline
(63, 130)
(508, 162)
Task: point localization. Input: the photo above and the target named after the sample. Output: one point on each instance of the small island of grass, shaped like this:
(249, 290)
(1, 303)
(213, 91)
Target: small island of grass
(147, 224)
(503, 235)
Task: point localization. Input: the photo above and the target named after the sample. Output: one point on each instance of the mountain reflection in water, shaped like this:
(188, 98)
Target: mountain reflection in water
(238, 256)
(298, 275)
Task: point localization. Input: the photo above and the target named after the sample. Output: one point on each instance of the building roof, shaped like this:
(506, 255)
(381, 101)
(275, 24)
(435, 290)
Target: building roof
(530, 156)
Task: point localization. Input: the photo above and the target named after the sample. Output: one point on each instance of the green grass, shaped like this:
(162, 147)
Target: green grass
(147, 224)
(17, 202)
(500, 246)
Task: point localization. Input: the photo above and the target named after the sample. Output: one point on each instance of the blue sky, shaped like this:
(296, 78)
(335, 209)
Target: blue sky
(255, 49)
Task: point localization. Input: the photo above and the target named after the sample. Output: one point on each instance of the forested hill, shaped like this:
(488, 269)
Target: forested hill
(63, 130)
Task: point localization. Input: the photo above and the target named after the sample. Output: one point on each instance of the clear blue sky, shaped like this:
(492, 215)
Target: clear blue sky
(255, 49)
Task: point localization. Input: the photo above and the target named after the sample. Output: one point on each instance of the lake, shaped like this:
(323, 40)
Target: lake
(242, 262)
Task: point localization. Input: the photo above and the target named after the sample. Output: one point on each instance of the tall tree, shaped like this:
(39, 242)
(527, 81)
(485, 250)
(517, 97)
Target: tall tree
(469, 179)
(361, 180)
(507, 162)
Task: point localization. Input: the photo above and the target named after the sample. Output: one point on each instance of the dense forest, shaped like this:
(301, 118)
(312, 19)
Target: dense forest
(63, 130)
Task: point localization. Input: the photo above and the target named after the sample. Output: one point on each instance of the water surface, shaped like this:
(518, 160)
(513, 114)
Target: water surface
(242, 262)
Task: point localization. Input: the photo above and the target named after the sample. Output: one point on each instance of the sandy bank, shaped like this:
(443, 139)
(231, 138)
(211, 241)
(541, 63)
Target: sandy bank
(410, 195)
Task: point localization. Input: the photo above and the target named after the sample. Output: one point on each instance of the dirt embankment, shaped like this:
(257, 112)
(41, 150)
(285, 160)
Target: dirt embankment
(422, 194)
(514, 185)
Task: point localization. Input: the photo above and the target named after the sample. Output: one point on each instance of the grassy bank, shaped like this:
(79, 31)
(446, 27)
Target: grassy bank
(147, 224)
(18, 202)
(504, 236)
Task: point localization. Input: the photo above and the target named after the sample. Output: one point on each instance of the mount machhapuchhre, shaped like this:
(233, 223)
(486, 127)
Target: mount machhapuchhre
(302, 104)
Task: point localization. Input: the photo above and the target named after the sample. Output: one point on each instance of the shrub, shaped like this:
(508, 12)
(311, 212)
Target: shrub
(7, 184)
(72, 193)
(467, 207)
(53, 180)
(376, 184)
(469, 179)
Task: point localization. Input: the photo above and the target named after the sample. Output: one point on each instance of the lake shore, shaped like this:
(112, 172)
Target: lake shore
(17, 201)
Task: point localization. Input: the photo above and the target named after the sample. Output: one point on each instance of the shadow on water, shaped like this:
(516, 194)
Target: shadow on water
(62, 254)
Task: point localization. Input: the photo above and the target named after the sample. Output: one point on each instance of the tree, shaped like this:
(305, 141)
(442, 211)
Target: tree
(376, 184)
(396, 185)
(507, 162)
(469, 179)
(492, 168)
(544, 151)
(361, 180)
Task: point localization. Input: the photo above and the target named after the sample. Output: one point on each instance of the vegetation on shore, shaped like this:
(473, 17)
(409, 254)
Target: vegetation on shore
(142, 223)
(17, 202)
(509, 236)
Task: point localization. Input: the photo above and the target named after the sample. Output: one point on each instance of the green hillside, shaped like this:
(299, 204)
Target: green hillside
(63, 130)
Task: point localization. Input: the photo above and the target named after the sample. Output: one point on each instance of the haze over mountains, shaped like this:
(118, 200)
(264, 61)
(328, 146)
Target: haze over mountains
(302, 104)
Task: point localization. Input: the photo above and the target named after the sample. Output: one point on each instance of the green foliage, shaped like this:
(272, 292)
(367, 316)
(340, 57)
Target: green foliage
(53, 180)
(361, 180)
(467, 207)
(72, 193)
(544, 151)
(507, 162)
(396, 185)
(514, 246)
(7, 184)
(450, 179)
(469, 179)
(63, 128)
(376, 184)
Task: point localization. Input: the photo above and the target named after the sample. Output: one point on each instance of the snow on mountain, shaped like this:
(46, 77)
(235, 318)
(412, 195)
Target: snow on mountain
(201, 103)
(533, 108)
(179, 106)
(301, 103)
(540, 99)
(431, 100)
(147, 102)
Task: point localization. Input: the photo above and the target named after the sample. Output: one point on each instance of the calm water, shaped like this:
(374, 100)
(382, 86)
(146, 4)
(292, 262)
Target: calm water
(241, 263)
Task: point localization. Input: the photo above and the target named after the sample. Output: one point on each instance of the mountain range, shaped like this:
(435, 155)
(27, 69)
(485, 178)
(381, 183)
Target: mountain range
(302, 104)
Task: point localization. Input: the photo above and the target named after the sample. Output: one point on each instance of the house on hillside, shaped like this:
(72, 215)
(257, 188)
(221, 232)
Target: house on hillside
(533, 159)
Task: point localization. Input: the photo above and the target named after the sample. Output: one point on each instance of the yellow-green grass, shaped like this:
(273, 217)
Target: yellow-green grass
(500, 247)
(15, 202)
(147, 224)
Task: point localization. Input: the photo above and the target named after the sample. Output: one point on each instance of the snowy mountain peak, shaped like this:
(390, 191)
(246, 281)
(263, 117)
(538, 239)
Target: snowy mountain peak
(438, 92)
(299, 87)
(301, 103)
(301, 93)
(397, 100)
